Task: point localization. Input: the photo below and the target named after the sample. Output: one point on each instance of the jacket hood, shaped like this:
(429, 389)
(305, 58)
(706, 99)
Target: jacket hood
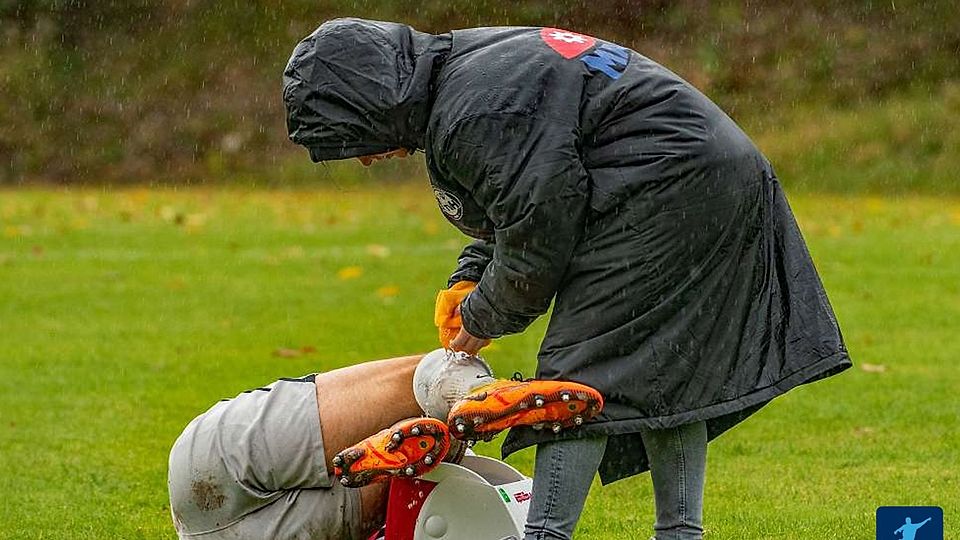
(356, 87)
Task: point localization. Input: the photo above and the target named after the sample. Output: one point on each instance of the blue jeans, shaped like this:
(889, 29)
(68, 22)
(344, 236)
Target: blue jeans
(564, 471)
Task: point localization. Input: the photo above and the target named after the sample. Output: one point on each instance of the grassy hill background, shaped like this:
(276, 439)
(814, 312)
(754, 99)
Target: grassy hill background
(843, 96)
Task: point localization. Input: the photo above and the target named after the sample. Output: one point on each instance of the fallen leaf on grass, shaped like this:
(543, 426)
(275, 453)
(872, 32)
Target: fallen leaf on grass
(194, 221)
(284, 352)
(378, 251)
(873, 368)
(431, 228)
(169, 214)
(89, 203)
(388, 291)
(349, 272)
(863, 431)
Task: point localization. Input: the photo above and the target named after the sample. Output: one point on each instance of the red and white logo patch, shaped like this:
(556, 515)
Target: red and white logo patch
(568, 44)
(522, 496)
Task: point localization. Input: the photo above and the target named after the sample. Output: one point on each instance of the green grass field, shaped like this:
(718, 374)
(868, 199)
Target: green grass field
(123, 314)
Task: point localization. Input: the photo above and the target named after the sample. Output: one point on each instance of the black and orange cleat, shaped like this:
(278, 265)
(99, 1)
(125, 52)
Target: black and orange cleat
(503, 404)
(410, 447)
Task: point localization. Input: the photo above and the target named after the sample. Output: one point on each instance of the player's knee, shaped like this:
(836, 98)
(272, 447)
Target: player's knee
(443, 377)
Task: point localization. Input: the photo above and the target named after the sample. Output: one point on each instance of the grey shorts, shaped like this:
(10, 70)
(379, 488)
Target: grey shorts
(252, 468)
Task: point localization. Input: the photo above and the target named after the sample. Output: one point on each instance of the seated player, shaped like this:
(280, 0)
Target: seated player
(263, 464)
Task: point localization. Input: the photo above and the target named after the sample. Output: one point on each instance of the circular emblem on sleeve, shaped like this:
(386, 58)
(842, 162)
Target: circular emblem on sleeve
(449, 203)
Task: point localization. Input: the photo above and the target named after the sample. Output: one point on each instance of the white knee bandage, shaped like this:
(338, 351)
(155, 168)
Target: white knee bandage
(443, 377)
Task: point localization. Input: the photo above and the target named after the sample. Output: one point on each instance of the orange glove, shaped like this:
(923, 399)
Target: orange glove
(446, 316)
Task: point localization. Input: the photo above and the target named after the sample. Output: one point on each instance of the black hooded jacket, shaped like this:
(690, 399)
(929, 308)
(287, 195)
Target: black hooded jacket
(596, 179)
(387, 70)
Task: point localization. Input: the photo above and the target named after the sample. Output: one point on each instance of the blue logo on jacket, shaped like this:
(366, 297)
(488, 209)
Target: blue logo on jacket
(609, 59)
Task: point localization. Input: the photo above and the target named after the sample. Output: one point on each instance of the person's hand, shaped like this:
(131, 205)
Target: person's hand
(446, 314)
(467, 342)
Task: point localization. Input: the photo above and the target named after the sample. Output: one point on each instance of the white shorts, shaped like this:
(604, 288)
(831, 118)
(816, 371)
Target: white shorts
(252, 467)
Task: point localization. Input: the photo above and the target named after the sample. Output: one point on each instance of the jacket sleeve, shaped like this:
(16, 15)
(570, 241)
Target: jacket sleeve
(526, 172)
(471, 263)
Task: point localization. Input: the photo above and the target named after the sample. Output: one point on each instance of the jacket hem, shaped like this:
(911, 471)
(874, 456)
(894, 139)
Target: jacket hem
(828, 366)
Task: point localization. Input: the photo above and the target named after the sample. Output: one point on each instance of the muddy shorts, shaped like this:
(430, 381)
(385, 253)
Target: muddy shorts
(252, 467)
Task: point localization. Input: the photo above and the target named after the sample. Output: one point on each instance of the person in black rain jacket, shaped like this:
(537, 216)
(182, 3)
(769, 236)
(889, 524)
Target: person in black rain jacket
(596, 179)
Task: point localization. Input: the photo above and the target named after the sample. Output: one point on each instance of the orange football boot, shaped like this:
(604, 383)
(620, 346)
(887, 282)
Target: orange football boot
(410, 447)
(504, 404)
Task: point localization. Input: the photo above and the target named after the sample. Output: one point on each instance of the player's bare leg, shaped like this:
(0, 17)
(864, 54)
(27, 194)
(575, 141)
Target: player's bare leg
(394, 390)
(359, 400)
